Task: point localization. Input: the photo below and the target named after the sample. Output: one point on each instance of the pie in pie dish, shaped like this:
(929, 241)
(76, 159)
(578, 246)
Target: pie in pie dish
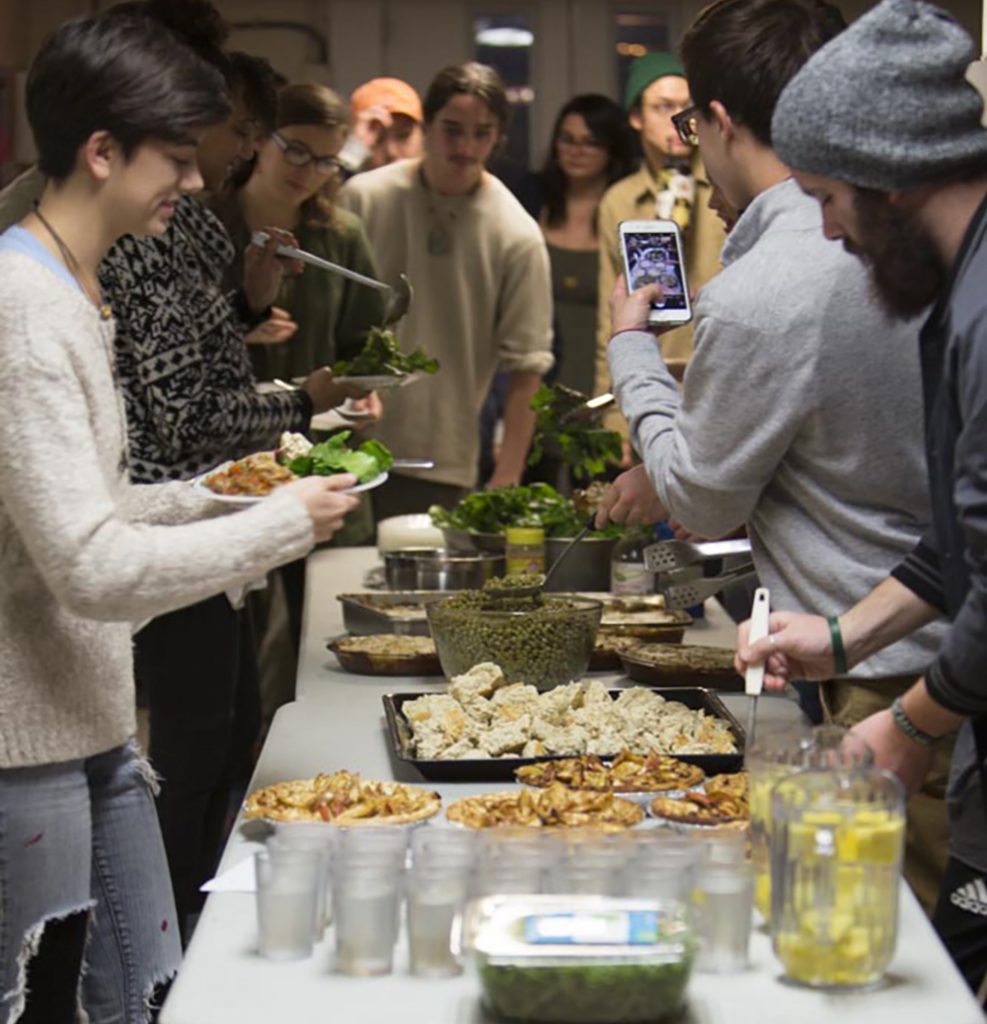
(734, 784)
(627, 773)
(343, 798)
(554, 807)
(716, 808)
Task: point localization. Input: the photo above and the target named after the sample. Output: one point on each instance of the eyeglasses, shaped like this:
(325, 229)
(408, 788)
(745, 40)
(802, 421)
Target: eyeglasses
(299, 155)
(571, 142)
(685, 125)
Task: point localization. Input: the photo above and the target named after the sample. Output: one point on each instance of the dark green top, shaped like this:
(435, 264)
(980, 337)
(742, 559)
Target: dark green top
(332, 313)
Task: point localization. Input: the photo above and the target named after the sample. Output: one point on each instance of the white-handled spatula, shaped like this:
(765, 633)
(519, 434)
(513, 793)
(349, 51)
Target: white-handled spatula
(754, 676)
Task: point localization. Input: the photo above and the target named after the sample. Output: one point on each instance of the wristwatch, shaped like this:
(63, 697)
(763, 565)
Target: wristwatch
(908, 727)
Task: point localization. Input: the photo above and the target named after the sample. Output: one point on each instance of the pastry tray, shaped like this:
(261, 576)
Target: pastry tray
(391, 612)
(641, 669)
(501, 769)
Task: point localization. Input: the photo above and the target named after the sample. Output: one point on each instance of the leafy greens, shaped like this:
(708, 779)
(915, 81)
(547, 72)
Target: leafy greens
(536, 504)
(382, 356)
(334, 456)
(583, 445)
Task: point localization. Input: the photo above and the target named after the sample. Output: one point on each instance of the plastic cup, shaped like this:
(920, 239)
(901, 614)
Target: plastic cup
(723, 906)
(322, 845)
(435, 899)
(287, 902)
(366, 906)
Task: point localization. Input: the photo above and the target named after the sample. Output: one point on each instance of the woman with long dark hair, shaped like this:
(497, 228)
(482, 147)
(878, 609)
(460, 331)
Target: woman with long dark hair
(591, 148)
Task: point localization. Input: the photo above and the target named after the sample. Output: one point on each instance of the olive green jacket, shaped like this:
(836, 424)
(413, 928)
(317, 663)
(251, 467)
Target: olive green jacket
(332, 313)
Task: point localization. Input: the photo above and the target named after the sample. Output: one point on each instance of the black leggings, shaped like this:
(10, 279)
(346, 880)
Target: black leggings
(199, 669)
(53, 973)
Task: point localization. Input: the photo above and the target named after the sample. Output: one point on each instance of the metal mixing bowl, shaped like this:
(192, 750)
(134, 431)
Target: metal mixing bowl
(436, 569)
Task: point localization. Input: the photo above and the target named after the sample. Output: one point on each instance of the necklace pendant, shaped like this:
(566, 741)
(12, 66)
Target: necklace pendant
(439, 240)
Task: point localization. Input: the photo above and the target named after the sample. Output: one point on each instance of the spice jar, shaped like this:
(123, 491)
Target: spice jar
(525, 550)
(837, 840)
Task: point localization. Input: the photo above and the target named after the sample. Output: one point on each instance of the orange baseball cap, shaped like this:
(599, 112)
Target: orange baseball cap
(392, 94)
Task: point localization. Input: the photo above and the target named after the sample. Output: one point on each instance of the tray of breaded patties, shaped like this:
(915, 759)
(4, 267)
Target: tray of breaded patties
(481, 729)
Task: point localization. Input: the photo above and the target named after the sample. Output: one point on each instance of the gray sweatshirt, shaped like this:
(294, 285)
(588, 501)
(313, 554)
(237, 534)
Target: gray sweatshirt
(800, 416)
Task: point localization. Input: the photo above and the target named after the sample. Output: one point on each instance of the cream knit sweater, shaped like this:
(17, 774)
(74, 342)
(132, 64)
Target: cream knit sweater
(84, 553)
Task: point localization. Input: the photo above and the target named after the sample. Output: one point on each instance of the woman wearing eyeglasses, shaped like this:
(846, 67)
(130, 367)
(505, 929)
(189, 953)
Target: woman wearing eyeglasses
(591, 148)
(290, 185)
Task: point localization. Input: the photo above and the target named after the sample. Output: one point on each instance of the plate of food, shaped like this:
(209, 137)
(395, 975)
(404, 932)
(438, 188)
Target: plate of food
(381, 364)
(342, 798)
(387, 654)
(636, 777)
(255, 477)
(481, 729)
(714, 808)
(554, 807)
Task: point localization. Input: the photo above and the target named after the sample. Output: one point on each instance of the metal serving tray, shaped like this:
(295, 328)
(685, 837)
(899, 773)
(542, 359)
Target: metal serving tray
(370, 613)
(501, 769)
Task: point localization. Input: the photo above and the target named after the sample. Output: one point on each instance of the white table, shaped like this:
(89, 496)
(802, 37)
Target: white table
(338, 722)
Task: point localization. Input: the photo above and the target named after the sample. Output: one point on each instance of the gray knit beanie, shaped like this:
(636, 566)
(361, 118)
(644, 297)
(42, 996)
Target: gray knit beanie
(885, 105)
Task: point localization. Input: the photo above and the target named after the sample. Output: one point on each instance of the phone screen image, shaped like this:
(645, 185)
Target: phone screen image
(653, 258)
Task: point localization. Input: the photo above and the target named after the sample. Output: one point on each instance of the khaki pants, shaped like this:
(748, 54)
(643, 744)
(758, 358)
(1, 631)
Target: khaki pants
(847, 702)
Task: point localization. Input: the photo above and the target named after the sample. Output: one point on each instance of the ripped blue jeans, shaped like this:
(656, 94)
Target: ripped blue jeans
(83, 836)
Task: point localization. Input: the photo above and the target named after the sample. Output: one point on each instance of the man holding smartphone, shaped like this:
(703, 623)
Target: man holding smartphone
(782, 424)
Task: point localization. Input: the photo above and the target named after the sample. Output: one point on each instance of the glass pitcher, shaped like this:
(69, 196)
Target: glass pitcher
(837, 840)
(777, 754)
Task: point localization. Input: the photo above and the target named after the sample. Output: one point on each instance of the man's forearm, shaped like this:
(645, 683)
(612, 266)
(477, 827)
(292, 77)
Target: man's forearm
(519, 427)
(926, 713)
(888, 613)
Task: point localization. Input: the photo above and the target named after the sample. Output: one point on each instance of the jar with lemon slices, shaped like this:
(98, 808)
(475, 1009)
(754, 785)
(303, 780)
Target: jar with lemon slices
(837, 840)
(778, 754)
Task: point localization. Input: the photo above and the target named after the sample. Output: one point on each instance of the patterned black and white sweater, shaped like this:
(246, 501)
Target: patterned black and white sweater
(181, 361)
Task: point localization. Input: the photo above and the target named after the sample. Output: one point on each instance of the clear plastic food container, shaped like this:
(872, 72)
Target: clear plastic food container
(580, 959)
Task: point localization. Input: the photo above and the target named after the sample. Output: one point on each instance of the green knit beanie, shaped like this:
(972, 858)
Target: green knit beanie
(648, 69)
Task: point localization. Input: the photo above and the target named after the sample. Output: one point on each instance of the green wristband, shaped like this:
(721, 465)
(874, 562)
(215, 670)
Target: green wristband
(839, 651)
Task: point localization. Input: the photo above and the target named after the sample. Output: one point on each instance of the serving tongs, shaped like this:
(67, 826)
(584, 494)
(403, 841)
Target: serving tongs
(588, 409)
(669, 555)
(754, 676)
(696, 591)
(398, 297)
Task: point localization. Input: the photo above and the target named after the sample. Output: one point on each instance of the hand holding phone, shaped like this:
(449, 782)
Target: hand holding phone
(652, 253)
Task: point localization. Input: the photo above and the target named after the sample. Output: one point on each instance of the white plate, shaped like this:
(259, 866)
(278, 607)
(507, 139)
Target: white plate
(199, 484)
(379, 382)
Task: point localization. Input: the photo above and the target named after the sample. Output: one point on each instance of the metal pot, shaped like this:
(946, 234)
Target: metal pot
(435, 569)
(586, 567)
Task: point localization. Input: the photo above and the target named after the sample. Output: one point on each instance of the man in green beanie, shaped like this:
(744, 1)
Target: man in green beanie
(670, 185)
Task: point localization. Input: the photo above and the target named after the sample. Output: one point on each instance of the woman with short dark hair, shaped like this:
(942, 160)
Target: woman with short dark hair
(117, 107)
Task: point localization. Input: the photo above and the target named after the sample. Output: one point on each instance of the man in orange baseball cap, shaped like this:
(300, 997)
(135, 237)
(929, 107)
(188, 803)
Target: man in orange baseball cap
(387, 124)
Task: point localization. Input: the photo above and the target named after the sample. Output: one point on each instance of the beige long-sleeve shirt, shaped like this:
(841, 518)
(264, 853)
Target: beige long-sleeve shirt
(84, 553)
(634, 198)
(482, 302)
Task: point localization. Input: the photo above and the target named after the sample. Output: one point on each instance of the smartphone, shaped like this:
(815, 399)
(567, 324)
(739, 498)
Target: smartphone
(652, 252)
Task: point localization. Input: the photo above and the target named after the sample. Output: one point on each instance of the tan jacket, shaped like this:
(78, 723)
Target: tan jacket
(633, 198)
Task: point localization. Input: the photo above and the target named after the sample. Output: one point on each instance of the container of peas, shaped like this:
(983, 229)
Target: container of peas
(580, 959)
(542, 640)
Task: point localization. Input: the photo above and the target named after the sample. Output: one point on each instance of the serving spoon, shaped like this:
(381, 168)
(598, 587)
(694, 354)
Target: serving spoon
(398, 296)
(534, 589)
